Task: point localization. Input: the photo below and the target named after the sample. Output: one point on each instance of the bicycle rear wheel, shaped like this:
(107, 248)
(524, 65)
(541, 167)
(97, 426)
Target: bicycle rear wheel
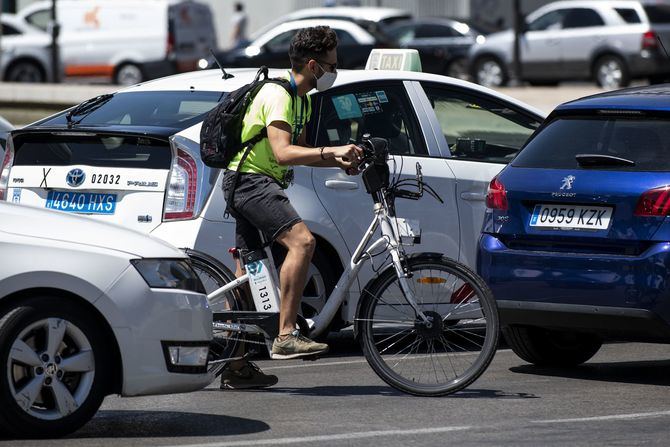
(214, 275)
(429, 359)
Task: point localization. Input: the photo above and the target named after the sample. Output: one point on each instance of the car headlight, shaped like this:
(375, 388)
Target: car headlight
(169, 274)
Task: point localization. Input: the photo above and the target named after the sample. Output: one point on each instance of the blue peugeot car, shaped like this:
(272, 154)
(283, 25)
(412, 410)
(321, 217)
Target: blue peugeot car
(576, 239)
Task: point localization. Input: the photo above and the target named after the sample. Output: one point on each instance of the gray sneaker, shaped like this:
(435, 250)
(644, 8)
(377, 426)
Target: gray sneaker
(247, 377)
(295, 345)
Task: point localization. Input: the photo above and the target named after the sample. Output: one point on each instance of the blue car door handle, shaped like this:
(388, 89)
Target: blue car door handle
(341, 184)
(473, 196)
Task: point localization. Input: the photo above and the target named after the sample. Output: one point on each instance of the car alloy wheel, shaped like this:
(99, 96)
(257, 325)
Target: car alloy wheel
(611, 73)
(51, 368)
(490, 73)
(129, 74)
(25, 72)
(56, 365)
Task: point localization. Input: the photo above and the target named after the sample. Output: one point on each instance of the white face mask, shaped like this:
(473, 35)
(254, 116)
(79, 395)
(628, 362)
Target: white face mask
(326, 80)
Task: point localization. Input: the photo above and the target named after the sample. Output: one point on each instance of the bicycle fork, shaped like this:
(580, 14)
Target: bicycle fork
(398, 259)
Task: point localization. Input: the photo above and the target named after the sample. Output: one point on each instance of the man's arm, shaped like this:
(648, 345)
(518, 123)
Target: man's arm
(287, 154)
(302, 141)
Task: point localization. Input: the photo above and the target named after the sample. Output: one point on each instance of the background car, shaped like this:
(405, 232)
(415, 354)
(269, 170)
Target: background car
(26, 52)
(91, 309)
(142, 144)
(443, 43)
(271, 48)
(374, 19)
(575, 241)
(609, 42)
(127, 41)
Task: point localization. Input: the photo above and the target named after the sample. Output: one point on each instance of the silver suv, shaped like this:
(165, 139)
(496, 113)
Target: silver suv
(609, 42)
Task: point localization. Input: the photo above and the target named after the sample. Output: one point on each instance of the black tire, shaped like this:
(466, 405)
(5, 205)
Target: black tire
(25, 71)
(543, 347)
(611, 72)
(489, 71)
(28, 328)
(460, 337)
(213, 275)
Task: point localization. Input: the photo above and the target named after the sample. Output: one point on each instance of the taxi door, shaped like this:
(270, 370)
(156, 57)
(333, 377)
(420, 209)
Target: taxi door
(383, 109)
(479, 134)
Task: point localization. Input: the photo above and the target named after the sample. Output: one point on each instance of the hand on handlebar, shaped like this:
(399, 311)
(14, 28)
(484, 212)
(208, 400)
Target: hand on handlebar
(348, 153)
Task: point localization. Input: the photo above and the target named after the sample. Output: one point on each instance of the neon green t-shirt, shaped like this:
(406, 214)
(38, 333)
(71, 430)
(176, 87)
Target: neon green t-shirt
(272, 103)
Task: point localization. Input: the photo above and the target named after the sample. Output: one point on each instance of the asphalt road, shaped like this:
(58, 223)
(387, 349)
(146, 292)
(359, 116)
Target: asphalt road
(620, 397)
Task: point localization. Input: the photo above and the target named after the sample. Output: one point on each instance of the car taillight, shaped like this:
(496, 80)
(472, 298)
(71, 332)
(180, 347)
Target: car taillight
(5, 167)
(496, 196)
(182, 188)
(649, 41)
(655, 202)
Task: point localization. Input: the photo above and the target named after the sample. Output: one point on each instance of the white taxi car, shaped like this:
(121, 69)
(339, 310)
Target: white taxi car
(133, 158)
(89, 309)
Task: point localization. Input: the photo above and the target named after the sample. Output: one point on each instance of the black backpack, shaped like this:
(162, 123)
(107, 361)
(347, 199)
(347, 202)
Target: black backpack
(220, 135)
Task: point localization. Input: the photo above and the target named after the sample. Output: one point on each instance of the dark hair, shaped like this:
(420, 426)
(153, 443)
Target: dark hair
(311, 43)
(239, 6)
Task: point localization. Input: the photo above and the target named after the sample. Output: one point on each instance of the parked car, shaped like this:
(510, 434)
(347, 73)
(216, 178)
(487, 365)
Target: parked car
(25, 54)
(271, 48)
(374, 19)
(443, 43)
(127, 41)
(91, 309)
(575, 240)
(609, 42)
(141, 146)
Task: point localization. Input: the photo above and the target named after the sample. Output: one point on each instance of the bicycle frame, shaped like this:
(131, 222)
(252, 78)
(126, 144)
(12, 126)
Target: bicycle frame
(390, 240)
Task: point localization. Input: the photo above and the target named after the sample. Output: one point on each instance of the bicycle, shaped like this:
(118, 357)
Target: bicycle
(414, 341)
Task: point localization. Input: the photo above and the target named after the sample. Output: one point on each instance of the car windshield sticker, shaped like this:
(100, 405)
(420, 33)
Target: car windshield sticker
(368, 102)
(333, 135)
(381, 95)
(347, 107)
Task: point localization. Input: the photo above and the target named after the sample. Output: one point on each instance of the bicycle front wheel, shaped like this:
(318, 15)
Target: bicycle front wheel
(438, 357)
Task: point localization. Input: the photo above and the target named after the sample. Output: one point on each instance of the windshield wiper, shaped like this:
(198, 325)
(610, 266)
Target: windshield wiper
(589, 160)
(86, 107)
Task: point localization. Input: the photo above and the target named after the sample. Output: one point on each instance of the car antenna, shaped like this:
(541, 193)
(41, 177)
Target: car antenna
(226, 75)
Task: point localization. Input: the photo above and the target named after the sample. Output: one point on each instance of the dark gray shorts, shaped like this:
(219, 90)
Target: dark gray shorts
(259, 203)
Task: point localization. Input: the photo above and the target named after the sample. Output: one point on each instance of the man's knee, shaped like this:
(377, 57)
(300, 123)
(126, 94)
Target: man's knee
(299, 239)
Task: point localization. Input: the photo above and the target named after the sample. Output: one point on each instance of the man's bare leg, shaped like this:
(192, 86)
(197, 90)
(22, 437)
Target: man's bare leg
(300, 244)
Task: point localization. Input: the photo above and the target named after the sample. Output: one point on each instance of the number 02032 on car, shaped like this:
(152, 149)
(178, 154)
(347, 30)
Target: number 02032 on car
(573, 217)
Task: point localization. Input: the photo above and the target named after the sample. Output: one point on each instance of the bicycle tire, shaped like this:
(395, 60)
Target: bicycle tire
(214, 275)
(460, 338)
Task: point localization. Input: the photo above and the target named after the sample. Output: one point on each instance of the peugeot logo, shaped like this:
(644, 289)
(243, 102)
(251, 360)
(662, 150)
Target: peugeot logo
(567, 182)
(75, 177)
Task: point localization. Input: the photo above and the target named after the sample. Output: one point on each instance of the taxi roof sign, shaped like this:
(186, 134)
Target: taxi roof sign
(394, 59)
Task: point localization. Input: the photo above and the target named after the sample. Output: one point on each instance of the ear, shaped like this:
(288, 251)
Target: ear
(312, 65)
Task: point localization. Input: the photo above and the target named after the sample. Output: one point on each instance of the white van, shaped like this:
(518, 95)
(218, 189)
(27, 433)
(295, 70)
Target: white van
(128, 41)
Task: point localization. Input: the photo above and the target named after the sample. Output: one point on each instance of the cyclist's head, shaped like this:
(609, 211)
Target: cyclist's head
(313, 52)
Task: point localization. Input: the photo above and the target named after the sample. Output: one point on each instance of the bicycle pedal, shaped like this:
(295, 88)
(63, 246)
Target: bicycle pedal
(311, 358)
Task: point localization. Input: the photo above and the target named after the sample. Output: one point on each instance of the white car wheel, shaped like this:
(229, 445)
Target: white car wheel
(490, 73)
(54, 372)
(611, 73)
(128, 74)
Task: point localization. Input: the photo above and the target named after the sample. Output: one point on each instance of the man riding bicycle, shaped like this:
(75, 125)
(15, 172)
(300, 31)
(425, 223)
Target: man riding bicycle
(259, 202)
